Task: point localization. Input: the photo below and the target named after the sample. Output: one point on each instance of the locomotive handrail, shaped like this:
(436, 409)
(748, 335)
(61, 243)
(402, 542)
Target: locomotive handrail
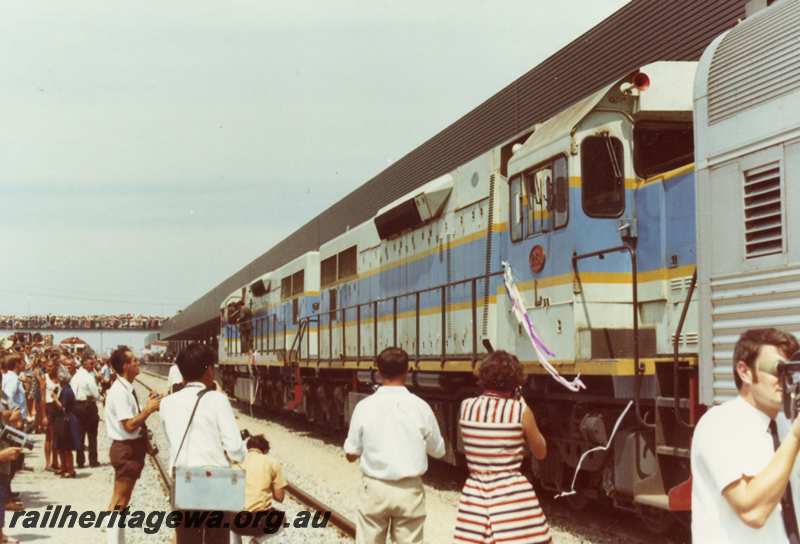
(678, 331)
(630, 247)
(340, 314)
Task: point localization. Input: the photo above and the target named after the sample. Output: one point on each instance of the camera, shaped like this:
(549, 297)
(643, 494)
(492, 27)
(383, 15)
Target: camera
(15, 436)
(789, 377)
(150, 445)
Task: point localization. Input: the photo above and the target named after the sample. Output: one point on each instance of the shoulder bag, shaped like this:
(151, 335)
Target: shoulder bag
(206, 488)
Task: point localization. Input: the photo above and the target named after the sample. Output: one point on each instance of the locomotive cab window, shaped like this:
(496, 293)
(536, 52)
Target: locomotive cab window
(548, 196)
(540, 199)
(603, 176)
(660, 146)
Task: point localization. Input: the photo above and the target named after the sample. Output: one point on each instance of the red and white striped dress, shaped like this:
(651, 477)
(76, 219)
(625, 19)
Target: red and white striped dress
(498, 504)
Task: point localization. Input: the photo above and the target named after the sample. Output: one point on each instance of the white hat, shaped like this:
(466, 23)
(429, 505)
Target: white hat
(6, 343)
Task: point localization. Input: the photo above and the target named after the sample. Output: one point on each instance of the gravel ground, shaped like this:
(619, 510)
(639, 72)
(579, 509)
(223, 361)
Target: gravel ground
(315, 462)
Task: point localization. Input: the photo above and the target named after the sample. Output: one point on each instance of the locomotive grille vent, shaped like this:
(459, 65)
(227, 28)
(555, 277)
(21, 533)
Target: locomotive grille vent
(680, 284)
(763, 227)
(688, 338)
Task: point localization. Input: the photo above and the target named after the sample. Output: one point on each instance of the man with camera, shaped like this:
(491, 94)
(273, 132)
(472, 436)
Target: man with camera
(125, 426)
(744, 452)
(201, 429)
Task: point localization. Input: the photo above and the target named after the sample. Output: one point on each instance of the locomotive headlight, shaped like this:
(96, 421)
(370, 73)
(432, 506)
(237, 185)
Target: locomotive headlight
(639, 83)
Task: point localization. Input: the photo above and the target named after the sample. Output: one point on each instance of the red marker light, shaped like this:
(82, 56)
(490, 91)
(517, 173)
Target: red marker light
(641, 81)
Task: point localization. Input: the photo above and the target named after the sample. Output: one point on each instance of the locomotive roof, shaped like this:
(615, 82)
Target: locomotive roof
(556, 129)
(641, 32)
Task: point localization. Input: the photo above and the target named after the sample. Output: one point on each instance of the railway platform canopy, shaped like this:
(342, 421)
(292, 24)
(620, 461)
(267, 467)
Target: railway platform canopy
(641, 32)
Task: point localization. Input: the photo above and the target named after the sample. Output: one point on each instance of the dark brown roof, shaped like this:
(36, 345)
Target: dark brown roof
(641, 32)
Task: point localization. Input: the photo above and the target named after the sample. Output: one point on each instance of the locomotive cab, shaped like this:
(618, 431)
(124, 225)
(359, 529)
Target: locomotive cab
(601, 232)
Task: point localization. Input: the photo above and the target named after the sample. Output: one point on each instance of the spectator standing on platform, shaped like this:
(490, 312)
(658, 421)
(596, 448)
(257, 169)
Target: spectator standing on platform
(498, 503)
(50, 408)
(264, 481)
(744, 452)
(207, 439)
(66, 434)
(38, 392)
(125, 426)
(34, 375)
(12, 386)
(106, 377)
(175, 378)
(392, 431)
(84, 385)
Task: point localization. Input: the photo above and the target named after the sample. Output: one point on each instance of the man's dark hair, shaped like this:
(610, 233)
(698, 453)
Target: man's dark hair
(750, 342)
(259, 442)
(193, 361)
(118, 358)
(500, 371)
(11, 361)
(392, 362)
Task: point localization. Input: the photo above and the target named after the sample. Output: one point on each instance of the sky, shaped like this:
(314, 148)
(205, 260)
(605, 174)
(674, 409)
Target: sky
(149, 150)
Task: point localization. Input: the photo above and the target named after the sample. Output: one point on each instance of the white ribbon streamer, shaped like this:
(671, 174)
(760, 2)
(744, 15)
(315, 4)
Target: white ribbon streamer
(542, 352)
(596, 448)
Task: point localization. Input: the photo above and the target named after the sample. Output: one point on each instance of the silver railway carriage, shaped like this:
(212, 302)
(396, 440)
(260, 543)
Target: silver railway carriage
(608, 224)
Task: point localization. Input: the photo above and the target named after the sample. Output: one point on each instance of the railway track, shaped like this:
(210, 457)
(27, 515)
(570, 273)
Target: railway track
(339, 520)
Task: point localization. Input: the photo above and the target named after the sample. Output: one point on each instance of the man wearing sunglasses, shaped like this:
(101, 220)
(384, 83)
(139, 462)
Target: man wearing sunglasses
(744, 452)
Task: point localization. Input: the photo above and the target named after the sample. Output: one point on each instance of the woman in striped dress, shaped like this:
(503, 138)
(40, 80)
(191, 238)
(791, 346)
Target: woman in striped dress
(498, 504)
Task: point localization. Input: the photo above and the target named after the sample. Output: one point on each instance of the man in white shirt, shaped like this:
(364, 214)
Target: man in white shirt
(84, 385)
(12, 386)
(392, 432)
(174, 378)
(212, 437)
(740, 466)
(125, 425)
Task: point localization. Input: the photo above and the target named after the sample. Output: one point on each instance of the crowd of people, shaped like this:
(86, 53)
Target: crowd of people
(743, 450)
(80, 322)
(50, 391)
(392, 432)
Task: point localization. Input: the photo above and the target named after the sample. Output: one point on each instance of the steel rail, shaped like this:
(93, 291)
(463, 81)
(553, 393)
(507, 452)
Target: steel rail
(339, 520)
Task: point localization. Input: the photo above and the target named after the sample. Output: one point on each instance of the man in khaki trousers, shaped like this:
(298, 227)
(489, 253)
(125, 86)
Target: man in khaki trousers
(392, 432)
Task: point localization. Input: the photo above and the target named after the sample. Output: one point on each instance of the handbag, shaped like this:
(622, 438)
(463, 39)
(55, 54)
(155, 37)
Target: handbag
(206, 488)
